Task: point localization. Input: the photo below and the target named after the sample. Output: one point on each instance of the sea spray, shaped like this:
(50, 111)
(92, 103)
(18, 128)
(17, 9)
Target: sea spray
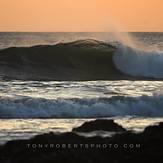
(135, 58)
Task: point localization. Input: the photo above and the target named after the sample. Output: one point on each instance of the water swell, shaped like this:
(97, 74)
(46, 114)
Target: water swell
(26, 107)
(78, 60)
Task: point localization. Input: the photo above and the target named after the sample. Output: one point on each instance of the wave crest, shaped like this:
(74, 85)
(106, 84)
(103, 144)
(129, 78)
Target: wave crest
(80, 60)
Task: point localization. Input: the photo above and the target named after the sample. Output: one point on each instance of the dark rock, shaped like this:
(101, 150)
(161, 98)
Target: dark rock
(157, 129)
(101, 124)
(148, 151)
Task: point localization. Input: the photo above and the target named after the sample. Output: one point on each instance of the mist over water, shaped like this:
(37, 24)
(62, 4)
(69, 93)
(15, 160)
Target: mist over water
(136, 58)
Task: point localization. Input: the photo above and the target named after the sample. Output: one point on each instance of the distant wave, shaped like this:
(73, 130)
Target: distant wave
(80, 60)
(26, 107)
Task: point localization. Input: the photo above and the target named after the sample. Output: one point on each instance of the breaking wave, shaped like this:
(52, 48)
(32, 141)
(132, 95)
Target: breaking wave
(140, 63)
(80, 60)
(26, 107)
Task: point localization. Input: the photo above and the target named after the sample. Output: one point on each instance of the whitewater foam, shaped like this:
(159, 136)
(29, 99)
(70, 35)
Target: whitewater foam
(148, 106)
(139, 63)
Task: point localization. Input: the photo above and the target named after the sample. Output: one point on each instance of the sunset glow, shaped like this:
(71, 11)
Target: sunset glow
(81, 15)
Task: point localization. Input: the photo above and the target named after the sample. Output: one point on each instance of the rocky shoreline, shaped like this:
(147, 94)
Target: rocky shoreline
(70, 147)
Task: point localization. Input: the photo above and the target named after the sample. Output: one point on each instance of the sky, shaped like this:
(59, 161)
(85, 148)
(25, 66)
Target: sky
(81, 15)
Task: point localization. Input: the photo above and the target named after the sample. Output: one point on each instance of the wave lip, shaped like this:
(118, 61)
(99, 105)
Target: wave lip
(147, 106)
(139, 63)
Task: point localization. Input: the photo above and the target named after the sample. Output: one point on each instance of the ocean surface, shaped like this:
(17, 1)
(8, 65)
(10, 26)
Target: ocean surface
(29, 106)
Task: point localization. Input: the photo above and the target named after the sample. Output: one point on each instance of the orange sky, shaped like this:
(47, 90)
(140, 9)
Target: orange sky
(81, 15)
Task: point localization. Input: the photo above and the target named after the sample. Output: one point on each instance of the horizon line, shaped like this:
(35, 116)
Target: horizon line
(79, 31)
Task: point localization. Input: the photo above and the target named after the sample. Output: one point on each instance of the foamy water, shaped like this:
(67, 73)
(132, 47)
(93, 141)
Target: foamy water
(81, 99)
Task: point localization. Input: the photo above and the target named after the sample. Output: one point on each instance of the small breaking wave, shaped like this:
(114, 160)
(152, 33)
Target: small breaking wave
(25, 107)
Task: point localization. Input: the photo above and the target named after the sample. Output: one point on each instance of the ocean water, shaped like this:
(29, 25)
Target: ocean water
(30, 107)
